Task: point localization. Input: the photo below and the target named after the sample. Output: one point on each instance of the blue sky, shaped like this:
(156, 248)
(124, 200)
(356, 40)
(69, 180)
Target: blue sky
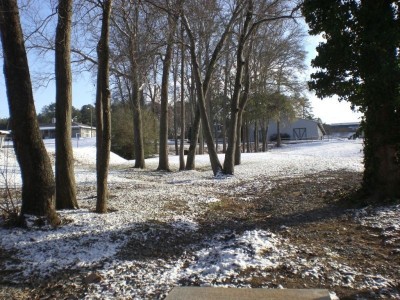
(83, 92)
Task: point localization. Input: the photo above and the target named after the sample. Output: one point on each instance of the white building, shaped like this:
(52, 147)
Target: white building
(48, 131)
(3, 134)
(344, 130)
(298, 129)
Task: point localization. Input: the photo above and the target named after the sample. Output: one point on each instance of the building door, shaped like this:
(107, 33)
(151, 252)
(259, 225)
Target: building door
(299, 133)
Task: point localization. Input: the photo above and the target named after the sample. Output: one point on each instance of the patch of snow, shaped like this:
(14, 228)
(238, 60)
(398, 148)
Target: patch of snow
(92, 241)
(381, 218)
(226, 256)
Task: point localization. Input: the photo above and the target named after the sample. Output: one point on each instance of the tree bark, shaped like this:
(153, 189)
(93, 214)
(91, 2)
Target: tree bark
(242, 106)
(182, 141)
(229, 162)
(103, 110)
(278, 134)
(256, 136)
(244, 134)
(248, 146)
(136, 96)
(201, 139)
(38, 185)
(224, 104)
(163, 163)
(374, 86)
(137, 122)
(64, 169)
(194, 130)
(202, 86)
(381, 178)
(190, 162)
(238, 151)
(175, 78)
(380, 71)
(215, 164)
(264, 135)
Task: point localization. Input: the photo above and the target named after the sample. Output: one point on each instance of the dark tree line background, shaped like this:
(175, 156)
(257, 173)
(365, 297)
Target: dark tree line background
(85, 114)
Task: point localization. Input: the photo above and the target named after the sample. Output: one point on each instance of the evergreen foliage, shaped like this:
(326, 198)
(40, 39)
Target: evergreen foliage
(359, 62)
(122, 142)
(48, 112)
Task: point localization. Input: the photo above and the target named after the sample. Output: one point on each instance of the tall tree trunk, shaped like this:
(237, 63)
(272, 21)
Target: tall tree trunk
(153, 107)
(201, 140)
(194, 129)
(182, 144)
(224, 104)
(175, 77)
(216, 136)
(215, 164)
(244, 134)
(65, 177)
(229, 162)
(381, 178)
(224, 125)
(248, 146)
(278, 134)
(242, 105)
(239, 129)
(256, 136)
(136, 96)
(202, 86)
(163, 163)
(263, 135)
(380, 71)
(38, 185)
(137, 121)
(103, 136)
(190, 162)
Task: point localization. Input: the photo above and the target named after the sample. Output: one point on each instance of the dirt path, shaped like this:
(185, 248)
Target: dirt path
(327, 245)
(334, 250)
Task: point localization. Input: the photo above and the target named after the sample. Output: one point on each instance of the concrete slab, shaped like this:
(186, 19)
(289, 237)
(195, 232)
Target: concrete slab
(211, 293)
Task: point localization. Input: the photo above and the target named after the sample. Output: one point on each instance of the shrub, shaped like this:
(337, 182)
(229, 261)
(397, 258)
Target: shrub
(122, 132)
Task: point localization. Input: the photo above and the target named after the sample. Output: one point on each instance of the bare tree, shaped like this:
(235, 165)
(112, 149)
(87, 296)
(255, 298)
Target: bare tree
(38, 185)
(65, 178)
(103, 136)
(242, 104)
(229, 161)
(202, 85)
(136, 90)
(127, 43)
(175, 68)
(267, 12)
(182, 140)
(163, 163)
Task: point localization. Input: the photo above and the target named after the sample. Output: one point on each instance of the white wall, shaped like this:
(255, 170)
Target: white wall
(305, 129)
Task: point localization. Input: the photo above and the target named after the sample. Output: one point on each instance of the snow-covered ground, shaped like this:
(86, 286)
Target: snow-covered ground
(89, 241)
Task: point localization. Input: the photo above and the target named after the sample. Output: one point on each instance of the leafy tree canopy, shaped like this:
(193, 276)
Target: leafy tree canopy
(85, 115)
(359, 62)
(360, 53)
